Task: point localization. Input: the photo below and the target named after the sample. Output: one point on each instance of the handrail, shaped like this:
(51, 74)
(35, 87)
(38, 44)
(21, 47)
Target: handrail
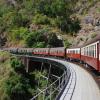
(61, 83)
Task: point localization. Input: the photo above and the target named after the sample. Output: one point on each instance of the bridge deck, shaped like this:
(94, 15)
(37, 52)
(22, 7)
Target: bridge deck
(86, 87)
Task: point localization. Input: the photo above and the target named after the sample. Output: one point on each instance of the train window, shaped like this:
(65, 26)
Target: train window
(93, 50)
(75, 51)
(84, 51)
(96, 50)
(87, 51)
(90, 51)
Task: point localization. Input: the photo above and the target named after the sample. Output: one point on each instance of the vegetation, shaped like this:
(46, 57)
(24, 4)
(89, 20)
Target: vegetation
(93, 35)
(17, 84)
(67, 43)
(17, 16)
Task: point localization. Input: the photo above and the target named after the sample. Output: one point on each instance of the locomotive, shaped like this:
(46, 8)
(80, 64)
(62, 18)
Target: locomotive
(89, 53)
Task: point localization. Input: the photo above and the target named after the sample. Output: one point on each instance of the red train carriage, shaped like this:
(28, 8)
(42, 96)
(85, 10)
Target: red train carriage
(59, 52)
(73, 53)
(41, 51)
(90, 53)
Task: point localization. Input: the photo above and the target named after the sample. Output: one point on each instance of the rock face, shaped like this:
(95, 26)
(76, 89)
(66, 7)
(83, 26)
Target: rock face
(90, 25)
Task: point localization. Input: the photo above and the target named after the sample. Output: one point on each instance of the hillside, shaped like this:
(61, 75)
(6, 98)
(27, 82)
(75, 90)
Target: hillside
(40, 23)
(90, 25)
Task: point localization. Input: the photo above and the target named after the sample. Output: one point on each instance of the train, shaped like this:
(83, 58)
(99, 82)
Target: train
(88, 54)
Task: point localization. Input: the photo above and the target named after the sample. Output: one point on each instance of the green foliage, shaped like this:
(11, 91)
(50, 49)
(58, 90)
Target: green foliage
(20, 19)
(69, 25)
(40, 45)
(53, 41)
(40, 78)
(41, 19)
(19, 34)
(54, 8)
(93, 35)
(17, 87)
(18, 84)
(36, 38)
(15, 19)
(67, 43)
(17, 65)
(59, 11)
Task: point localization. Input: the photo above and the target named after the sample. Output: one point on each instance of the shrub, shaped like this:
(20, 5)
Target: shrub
(53, 41)
(41, 19)
(17, 87)
(93, 35)
(17, 65)
(67, 43)
(19, 33)
(36, 38)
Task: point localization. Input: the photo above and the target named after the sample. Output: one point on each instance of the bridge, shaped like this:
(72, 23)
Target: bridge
(76, 84)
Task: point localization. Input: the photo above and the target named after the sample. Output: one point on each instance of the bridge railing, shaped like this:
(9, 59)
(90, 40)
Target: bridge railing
(53, 91)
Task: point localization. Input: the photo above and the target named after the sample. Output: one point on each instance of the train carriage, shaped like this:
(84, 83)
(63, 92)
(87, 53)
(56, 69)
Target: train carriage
(73, 53)
(59, 52)
(90, 53)
(41, 51)
(22, 50)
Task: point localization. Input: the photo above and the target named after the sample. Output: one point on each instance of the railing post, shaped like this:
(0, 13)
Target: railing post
(42, 66)
(44, 95)
(59, 84)
(51, 92)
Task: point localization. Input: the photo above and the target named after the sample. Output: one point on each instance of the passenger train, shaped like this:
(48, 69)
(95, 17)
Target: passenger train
(89, 53)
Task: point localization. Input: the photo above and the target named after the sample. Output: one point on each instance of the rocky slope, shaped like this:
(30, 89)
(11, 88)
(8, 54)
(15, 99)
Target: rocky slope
(90, 25)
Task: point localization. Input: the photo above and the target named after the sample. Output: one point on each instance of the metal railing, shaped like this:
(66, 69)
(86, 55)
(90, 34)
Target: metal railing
(53, 91)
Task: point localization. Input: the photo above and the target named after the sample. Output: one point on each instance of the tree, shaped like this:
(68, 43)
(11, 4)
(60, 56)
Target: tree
(53, 41)
(17, 66)
(16, 87)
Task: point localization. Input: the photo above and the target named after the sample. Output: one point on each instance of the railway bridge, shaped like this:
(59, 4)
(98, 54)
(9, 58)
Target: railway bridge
(75, 84)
